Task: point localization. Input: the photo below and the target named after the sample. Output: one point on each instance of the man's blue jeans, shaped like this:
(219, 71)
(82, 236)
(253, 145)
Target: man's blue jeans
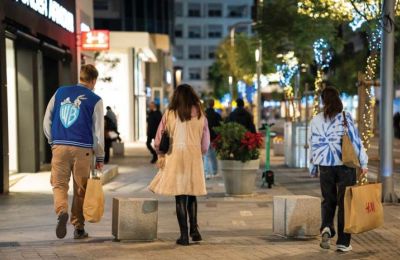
(210, 163)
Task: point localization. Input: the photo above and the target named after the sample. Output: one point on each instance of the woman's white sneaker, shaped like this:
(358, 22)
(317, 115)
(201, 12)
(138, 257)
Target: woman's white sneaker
(343, 248)
(325, 238)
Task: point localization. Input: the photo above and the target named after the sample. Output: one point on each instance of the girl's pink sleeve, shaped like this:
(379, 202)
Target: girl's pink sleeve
(205, 140)
(160, 130)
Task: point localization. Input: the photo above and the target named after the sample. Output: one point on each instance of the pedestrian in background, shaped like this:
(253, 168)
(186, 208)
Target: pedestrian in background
(325, 137)
(153, 120)
(111, 115)
(74, 127)
(110, 135)
(210, 159)
(242, 116)
(181, 171)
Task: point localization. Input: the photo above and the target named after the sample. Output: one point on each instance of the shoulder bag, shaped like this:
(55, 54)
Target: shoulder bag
(164, 142)
(349, 156)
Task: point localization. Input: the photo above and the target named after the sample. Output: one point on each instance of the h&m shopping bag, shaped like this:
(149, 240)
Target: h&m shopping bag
(93, 205)
(363, 210)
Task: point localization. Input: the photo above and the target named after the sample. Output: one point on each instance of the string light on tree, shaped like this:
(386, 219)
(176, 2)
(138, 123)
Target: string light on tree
(374, 40)
(364, 10)
(323, 56)
(374, 44)
(322, 53)
(343, 10)
(286, 71)
(317, 87)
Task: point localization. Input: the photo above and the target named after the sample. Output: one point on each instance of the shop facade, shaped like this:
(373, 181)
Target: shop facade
(122, 80)
(37, 55)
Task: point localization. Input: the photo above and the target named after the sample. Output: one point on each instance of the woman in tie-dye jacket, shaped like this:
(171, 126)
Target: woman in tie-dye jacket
(326, 154)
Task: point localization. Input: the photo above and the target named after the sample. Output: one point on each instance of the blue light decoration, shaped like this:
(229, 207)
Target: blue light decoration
(375, 39)
(246, 91)
(322, 53)
(357, 22)
(250, 91)
(226, 99)
(286, 73)
(241, 87)
(369, 10)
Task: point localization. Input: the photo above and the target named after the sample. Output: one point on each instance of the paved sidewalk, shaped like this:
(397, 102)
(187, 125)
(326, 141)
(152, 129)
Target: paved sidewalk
(232, 227)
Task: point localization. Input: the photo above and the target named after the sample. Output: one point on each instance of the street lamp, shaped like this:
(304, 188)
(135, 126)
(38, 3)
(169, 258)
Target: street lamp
(230, 79)
(259, 105)
(178, 76)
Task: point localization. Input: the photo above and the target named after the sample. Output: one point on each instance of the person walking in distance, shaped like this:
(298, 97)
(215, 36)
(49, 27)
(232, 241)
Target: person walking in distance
(210, 159)
(181, 171)
(111, 115)
(325, 139)
(74, 127)
(153, 120)
(242, 116)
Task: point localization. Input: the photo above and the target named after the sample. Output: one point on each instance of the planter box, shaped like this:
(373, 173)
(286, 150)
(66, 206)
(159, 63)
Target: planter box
(239, 177)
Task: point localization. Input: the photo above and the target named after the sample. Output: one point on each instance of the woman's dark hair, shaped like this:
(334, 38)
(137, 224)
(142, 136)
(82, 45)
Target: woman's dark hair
(183, 100)
(332, 103)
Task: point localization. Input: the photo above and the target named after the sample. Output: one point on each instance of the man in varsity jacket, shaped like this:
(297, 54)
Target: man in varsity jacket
(74, 127)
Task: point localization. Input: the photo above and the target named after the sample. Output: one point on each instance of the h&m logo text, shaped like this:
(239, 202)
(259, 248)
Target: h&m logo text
(370, 207)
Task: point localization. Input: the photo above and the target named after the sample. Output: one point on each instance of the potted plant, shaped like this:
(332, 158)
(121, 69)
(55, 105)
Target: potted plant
(238, 157)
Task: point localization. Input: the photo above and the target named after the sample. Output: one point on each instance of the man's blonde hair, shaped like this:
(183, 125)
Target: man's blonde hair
(88, 73)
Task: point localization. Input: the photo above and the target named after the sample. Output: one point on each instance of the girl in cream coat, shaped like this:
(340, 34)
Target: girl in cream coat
(181, 172)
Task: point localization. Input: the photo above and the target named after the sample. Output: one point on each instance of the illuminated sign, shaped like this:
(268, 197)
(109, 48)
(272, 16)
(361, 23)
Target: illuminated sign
(53, 11)
(96, 40)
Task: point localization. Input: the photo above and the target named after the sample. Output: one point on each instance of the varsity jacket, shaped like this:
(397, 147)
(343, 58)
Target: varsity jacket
(74, 116)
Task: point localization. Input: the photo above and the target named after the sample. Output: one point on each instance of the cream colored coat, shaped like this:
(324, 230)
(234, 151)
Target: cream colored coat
(183, 172)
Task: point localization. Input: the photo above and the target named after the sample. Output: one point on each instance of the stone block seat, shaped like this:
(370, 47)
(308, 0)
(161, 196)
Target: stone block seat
(296, 216)
(134, 219)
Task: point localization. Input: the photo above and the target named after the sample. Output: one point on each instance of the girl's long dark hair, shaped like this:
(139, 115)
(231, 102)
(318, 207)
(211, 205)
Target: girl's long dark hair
(332, 103)
(183, 99)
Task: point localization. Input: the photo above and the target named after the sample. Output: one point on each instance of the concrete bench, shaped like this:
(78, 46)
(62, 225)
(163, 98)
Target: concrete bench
(296, 216)
(110, 171)
(134, 219)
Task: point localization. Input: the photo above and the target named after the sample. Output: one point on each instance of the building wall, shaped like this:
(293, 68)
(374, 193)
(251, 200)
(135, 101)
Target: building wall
(44, 57)
(153, 16)
(203, 31)
(84, 22)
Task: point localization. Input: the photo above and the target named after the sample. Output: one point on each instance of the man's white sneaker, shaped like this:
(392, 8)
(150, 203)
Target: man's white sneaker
(343, 248)
(325, 238)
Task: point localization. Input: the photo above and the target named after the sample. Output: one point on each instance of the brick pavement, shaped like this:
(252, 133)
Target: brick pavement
(232, 227)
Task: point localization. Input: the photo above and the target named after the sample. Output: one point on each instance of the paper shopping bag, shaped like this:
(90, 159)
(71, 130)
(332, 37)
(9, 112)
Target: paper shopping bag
(363, 210)
(93, 205)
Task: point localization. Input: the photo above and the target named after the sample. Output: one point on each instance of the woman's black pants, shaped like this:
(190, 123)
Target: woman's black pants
(334, 180)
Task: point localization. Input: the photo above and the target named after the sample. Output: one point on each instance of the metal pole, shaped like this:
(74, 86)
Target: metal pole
(386, 103)
(259, 104)
(306, 147)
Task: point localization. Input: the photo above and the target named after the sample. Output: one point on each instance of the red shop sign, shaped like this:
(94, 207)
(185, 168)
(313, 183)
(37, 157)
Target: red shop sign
(96, 40)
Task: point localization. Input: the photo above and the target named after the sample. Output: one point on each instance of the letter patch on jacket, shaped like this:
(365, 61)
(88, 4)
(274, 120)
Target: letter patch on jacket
(69, 112)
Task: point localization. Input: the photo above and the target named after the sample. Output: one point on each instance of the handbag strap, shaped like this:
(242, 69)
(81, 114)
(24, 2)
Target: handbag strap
(345, 124)
(166, 121)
